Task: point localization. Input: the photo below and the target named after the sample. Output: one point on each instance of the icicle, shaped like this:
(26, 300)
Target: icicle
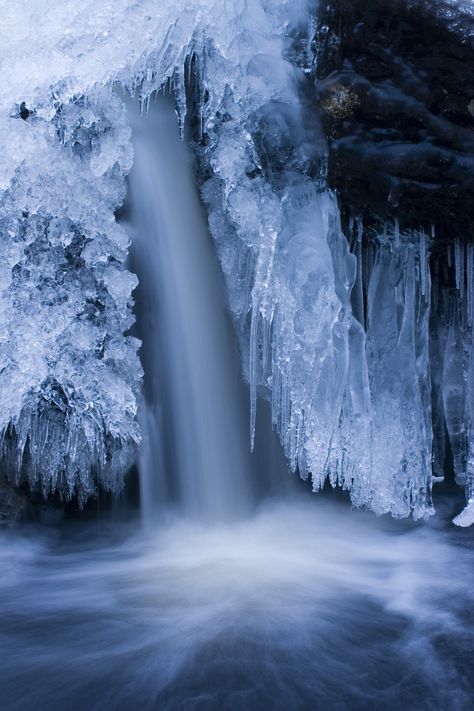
(253, 356)
(266, 344)
(357, 296)
(457, 264)
(423, 263)
(351, 229)
(469, 281)
(397, 233)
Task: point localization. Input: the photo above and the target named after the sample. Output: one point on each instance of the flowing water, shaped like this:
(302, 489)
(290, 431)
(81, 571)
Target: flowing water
(187, 350)
(224, 602)
(304, 605)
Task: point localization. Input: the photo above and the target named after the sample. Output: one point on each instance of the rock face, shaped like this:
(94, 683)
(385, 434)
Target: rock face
(396, 87)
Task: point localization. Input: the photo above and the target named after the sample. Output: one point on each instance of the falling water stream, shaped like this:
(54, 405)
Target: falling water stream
(223, 602)
(187, 344)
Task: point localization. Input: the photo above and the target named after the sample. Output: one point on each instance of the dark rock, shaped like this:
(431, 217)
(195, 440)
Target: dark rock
(396, 87)
(24, 111)
(15, 506)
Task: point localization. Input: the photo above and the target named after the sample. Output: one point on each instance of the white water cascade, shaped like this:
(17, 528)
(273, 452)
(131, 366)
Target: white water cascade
(192, 391)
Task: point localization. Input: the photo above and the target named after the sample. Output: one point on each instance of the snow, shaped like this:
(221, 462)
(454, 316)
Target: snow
(466, 517)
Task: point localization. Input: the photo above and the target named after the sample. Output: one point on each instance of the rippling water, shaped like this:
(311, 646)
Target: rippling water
(304, 606)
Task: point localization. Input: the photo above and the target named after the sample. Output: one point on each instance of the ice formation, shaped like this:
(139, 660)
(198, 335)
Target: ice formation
(338, 338)
(454, 364)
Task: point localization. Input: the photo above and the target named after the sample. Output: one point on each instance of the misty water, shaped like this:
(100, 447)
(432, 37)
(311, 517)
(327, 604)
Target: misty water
(305, 605)
(221, 598)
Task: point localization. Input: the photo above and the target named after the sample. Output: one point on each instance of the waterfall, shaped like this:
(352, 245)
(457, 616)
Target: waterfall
(352, 385)
(191, 392)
